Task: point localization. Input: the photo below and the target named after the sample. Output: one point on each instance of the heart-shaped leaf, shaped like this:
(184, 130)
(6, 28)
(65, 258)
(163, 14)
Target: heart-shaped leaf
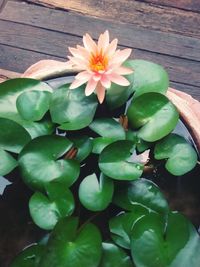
(9, 92)
(122, 224)
(114, 256)
(46, 211)
(7, 162)
(29, 257)
(13, 137)
(117, 95)
(155, 243)
(180, 155)
(41, 162)
(96, 195)
(84, 146)
(99, 143)
(148, 77)
(115, 161)
(155, 114)
(32, 105)
(69, 247)
(71, 108)
(143, 192)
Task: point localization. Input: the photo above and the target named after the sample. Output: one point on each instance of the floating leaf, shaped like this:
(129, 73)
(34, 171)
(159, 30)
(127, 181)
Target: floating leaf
(96, 195)
(115, 161)
(114, 256)
(84, 146)
(29, 257)
(180, 155)
(148, 77)
(46, 211)
(100, 143)
(155, 243)
(41, 162)
(71, 108)
(72, 247)
(155, 114)
(7, 162)
(122, 224)
(32, 105)
(9, 92)
(143, 192)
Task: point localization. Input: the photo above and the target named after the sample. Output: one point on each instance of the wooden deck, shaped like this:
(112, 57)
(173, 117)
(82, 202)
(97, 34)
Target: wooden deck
(164, 31)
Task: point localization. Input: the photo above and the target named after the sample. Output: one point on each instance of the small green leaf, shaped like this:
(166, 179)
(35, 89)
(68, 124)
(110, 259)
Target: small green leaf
(41, 162)
(29, 257)
(71, 108)
(7, 162)
(154, 114)
(84, 146)
(143, 192)
(32, 105)
(180, 155)
(115, 161)
(114, 256)
(157, 243)
(100, 143)
(46, 211)
(122, 224)
(13, 137)
(96, 195)
(69, 247)
(148, 77)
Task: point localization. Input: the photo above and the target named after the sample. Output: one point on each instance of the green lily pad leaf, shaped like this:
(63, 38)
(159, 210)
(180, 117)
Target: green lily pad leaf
(141, 145)
(115, 161)
(180, 155)
(117, 95)
(13, 137)
(100, 143)
(155, 114)
(46, 211)
(9, 92)
(155, 243)
(71, 108)
(143, 192)
(96, 195)
(148, 77)
(29, 257)
(32, 105)
(113, 256)
(7, 162)
(122, 224)
(41, 162)
(72, 247)
(84, 146)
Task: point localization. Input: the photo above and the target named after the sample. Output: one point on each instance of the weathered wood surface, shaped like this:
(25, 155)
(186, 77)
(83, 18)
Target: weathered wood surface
(165, 35)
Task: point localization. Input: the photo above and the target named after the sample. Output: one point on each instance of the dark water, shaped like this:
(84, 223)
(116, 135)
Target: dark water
(17, 229)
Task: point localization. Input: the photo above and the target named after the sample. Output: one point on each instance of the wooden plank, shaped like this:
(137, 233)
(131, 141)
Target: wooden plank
(129, 35)
(192, 5)
(138, 13)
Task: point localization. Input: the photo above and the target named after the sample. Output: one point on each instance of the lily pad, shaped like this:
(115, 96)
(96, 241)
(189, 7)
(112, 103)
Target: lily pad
(96, 194)
(154, 114)
(9, 92)
(32, 105)
(122, 224)
(157, 243)
(142, 192)
(41, 162)
(99, 143)
(29, 257)
(69, 246)
(71, 108)
(46, 211)
(113, 256)
(84, 146)
(115, 161)
(180, 155)
(148, 77)
(7, 163)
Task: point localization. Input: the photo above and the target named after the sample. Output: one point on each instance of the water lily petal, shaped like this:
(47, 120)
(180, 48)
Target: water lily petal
(85, 54)
(91, 85)
(80, 63)
(89, 43)
(103, 42)
(116, 78)
(121, 56)
(84, 75)
(76, 83)
(105, 81)
(123, 70)
(112, 48)
(100, 90)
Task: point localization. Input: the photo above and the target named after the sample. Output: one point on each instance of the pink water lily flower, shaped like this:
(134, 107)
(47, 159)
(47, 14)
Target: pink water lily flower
(100, 64)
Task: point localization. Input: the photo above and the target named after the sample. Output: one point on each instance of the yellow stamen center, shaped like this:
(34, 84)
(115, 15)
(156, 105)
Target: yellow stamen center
(98, 62)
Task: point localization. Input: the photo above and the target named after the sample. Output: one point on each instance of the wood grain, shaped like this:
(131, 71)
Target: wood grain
(138, 13)
(128, 35)
(193, 5)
